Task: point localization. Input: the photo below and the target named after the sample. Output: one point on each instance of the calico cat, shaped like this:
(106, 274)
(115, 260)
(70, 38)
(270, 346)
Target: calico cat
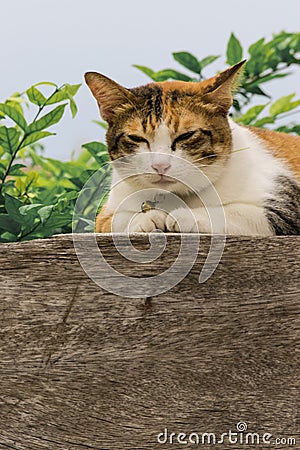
(255, 172)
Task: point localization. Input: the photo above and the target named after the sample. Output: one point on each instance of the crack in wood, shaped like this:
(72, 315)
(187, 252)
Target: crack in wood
(56, 342)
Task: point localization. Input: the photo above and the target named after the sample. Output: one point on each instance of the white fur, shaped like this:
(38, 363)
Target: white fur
(243, 185)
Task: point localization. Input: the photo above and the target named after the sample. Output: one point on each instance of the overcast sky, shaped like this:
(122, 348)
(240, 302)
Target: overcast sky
(59, 40)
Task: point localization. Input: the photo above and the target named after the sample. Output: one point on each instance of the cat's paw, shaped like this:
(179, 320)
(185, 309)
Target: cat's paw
(181, 221)
(184, 220)
(152, 220)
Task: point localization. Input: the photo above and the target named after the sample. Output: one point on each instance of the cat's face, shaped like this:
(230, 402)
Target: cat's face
(155, 128)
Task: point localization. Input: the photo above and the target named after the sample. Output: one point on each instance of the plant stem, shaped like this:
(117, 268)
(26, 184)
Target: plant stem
(13, 156)
(261, 77)
(31, 231)
(6, 173)
(288, 114)
(57, 89)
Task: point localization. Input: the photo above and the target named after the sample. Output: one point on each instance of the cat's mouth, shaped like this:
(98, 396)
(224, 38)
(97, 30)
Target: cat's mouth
(164, 179)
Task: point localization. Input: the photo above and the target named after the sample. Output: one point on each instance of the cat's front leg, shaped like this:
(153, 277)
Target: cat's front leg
(141, 222)
(235, 219)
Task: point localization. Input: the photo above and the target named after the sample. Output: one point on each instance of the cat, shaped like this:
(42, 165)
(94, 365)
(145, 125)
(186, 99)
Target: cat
(168, 128)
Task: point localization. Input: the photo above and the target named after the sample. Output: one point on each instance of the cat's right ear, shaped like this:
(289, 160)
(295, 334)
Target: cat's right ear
(109, 94)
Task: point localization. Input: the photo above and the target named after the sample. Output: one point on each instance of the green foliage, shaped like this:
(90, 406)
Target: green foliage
(234, 52)
(266, 62)
(38, 194)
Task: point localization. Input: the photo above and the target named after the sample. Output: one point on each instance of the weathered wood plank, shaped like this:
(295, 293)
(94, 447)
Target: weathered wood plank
(85, 369)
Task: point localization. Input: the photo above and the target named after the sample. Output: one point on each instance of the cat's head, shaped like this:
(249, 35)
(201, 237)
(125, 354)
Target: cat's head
(156, 123)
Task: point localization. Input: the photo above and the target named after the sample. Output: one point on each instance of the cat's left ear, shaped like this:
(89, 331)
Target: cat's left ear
(221, 87)
(110, 95)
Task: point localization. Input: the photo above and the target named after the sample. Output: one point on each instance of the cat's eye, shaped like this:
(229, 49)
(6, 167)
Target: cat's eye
(137, 139)
(197, 134)
(182, 137)
(185, 136)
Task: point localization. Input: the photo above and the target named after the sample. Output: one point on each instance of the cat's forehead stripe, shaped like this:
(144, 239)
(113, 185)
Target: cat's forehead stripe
(159, 101)
(153, 101)
(158, 98)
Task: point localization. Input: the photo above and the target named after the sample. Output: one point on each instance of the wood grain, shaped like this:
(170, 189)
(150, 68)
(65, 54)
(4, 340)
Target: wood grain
(85, 369)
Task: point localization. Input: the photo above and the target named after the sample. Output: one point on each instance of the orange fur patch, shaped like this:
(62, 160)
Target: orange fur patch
(104, 221)
(284, 146)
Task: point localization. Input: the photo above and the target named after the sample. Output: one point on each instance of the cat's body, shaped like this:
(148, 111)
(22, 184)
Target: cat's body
(180, 131)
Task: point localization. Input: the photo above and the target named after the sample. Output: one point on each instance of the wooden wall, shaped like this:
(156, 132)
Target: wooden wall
(82, 368)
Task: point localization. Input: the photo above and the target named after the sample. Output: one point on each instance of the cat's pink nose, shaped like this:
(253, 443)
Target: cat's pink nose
(161, 168)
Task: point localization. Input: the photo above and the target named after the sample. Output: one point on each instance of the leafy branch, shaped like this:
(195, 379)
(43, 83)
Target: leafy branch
(266, 62)
(16, 180)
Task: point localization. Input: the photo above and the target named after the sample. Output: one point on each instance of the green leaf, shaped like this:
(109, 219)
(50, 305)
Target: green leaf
(256, 47)
(46, 83)
(163, 75)
(59, 96)
(208, 60)
(290, 129)
(264, 121)
(47, 120)
(71, 195)
(30, 209)
(256, 90)
(294, 129)
(52, 224)
(15, 170)
(35, 96)
(73, 107)
(90, 225)
(167, 74)
(8, 237)
(2, 165)
(251, 114)
(102, 124)
(72, 88)
(188, 60)
(36, 136)
(234, 50)
(98, 151)
(15, 101)
(45, 212)
(14, 114)
(56, 221)
(267, 78)
(284, 104)
(9, 139)
(12, 206)
(65, 93)
(8, 224)
(145, 70)
(77, 182)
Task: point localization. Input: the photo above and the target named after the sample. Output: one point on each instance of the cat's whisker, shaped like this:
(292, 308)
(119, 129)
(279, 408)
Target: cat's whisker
(240, 149)
(214, 155)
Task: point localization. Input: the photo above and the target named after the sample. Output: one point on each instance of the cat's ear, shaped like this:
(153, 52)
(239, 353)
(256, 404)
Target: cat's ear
(221, 87)
(109, 94)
